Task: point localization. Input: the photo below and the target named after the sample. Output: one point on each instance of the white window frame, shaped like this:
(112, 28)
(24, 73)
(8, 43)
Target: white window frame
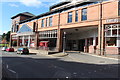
(111, 35)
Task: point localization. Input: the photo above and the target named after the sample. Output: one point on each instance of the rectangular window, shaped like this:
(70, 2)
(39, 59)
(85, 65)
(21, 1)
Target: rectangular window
(69, 17)
(108, 32)
(111, 41)
(76, 16)
(12, 28)
(119, 32)
(46, 22)
(34, 26)
(119, 8)
(42, 23)
(90, 41)
(84, 14)
(17, 28)
(50, 21)
(114, 32)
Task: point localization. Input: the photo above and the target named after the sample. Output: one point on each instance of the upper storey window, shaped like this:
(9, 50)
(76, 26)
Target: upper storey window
(42, 23)
(12, 29)
(47, 22)
(25, 28)
(76, 16)
(50, 21)
(69, 17)
(15, 28)
(84, 14)
(119, 8)
(34, 25)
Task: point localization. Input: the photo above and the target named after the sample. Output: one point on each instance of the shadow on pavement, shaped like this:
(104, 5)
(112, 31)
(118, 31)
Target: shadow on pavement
(28, 54)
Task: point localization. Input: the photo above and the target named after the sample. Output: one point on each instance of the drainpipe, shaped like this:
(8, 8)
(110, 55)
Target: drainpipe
(36, 33)
(100, 27)
(58, 33)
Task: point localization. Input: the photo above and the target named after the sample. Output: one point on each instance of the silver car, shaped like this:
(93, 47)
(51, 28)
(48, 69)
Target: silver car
(22, 51)
(4, 48)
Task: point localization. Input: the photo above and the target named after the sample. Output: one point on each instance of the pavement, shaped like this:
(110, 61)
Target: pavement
(92, 59)
(82, 57)
(61, 54)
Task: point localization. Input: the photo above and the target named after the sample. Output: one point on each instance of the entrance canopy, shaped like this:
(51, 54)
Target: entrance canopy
(81, 33)
(25, 30)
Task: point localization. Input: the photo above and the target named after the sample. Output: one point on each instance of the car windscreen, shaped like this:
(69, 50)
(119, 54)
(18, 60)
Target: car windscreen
(20, 49)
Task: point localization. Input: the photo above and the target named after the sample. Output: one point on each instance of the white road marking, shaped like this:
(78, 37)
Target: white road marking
(67, 77)
(10, 69)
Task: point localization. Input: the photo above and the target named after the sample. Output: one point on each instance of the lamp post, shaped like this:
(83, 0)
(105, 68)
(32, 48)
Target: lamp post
(105, 31)
(64, 41)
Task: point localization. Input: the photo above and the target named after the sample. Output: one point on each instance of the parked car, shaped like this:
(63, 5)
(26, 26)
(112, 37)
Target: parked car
(4, 48)
(10, 49)
(22, 51)
(32, 45)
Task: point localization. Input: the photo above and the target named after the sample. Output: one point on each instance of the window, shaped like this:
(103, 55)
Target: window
(119, 8)
(42, 23)
(108, 33)
(119, 32)
(84, 14)
(46, 22)
(112, 30)
(76, 16)
(17, 28)
(90, 41)
(111, 41)
(50, 21)
(69, 17)
(12, 28)
(34, 26)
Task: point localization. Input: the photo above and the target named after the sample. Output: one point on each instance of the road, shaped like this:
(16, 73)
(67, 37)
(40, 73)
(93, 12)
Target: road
(34, 66)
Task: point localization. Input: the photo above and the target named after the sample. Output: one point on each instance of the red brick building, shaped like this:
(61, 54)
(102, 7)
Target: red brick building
(92, 27)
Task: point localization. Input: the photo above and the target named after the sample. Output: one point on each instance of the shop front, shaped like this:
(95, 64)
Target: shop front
(14, 40)
(25, 37)
(112, 38)
(47, 40)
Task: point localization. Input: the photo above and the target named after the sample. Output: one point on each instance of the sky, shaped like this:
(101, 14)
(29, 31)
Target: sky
(9, 8)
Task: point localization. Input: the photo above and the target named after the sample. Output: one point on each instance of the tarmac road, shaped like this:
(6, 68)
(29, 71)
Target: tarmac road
(34, 66)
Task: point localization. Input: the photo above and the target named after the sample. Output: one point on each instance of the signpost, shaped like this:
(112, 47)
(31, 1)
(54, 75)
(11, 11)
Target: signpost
(64, 42)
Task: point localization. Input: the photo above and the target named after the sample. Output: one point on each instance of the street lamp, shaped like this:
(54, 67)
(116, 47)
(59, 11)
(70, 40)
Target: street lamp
(105, 31)
(64, 42)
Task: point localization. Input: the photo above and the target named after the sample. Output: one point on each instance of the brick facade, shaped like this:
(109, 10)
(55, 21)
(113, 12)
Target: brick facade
(94, 13)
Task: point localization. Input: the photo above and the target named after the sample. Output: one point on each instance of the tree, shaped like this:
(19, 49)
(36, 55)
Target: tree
(3, 36)
(6, 36)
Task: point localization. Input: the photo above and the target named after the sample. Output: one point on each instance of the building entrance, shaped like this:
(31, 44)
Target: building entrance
(81, 39)
(81, 44)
